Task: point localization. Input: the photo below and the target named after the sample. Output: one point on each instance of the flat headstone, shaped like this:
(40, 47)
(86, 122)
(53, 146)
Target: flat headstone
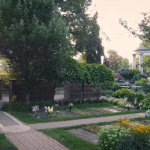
(44, 116)
(147, 121)
(70, 114)
(86, 135)
(111, 110)
(93, 112)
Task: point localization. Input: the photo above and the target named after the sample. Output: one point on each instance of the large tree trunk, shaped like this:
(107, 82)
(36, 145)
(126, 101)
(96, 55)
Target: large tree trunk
(82, 93)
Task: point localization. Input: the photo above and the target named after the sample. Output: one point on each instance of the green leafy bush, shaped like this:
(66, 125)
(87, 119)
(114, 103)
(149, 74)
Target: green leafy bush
(76, 101)
(89, 101)
(123, 93)
(23, 107)
(110, 137)
(146, 102)
(132, 73)
(96, 100)
(142, 82)
(106, 92)
(140, 76)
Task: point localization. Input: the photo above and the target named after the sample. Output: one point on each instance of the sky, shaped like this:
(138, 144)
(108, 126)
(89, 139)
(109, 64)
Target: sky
(110, 11)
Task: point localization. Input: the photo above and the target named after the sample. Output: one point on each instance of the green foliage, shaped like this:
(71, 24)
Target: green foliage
(106, 92)
(124, 73)
(128, 73)
(23, 107)
(142, 82)
(110, 137)
(146, 102)
(123, 93)
(140, 76)
(119, 102)
(36, 34)
(132, 73)
(100, 74)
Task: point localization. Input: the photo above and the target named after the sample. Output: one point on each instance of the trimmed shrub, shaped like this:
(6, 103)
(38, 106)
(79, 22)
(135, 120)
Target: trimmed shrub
(139, 77)
(123, 93)
(142, 82)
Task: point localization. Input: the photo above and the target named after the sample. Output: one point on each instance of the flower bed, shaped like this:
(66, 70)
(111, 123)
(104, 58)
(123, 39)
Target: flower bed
(92, 128)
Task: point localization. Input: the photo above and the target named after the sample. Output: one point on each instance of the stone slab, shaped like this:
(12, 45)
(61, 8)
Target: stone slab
(111, 110)
(86, 135)
(93, 112)
(43, 116)
(70, 114)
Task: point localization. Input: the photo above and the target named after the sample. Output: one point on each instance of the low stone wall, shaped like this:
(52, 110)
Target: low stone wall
(73, 91)
(45, 92)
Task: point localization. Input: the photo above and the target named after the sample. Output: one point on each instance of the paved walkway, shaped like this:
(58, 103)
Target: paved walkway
(24, 137)
(83, 121)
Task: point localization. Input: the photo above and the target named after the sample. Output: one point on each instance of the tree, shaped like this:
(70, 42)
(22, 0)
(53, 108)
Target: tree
(125, 63)
(83, 30)
(114, 60)
(81, 73)
(73, 71)
(32, 35)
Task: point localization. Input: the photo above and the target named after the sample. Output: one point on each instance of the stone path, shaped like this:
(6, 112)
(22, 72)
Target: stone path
(24, 137)
(70, 123)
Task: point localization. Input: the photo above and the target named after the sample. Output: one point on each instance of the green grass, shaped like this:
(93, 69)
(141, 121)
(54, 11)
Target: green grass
(5, 144)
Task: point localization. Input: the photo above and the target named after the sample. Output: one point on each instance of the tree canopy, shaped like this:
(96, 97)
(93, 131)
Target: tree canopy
(32, 35)
(81, 73)
(83, 30)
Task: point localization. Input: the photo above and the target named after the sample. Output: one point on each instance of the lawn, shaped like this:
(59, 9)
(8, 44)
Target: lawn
(5, 144)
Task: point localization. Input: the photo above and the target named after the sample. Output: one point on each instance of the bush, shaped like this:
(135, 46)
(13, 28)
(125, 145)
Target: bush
(110, 137)
(146, 102)
(140, 76)
(142, 82)
(66, 101)
(132, 73)
(123, 93)
(121, 103)
(115, 101)
(96, 100)
(106, 92)
(23, 107)
(124, 73)
(138, 138)
(76, 101)
(89, 101)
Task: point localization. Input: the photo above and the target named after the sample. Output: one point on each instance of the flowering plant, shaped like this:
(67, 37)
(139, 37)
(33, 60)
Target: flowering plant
(140, 104)
(14, 98)
(128, 105)
(35, 108)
